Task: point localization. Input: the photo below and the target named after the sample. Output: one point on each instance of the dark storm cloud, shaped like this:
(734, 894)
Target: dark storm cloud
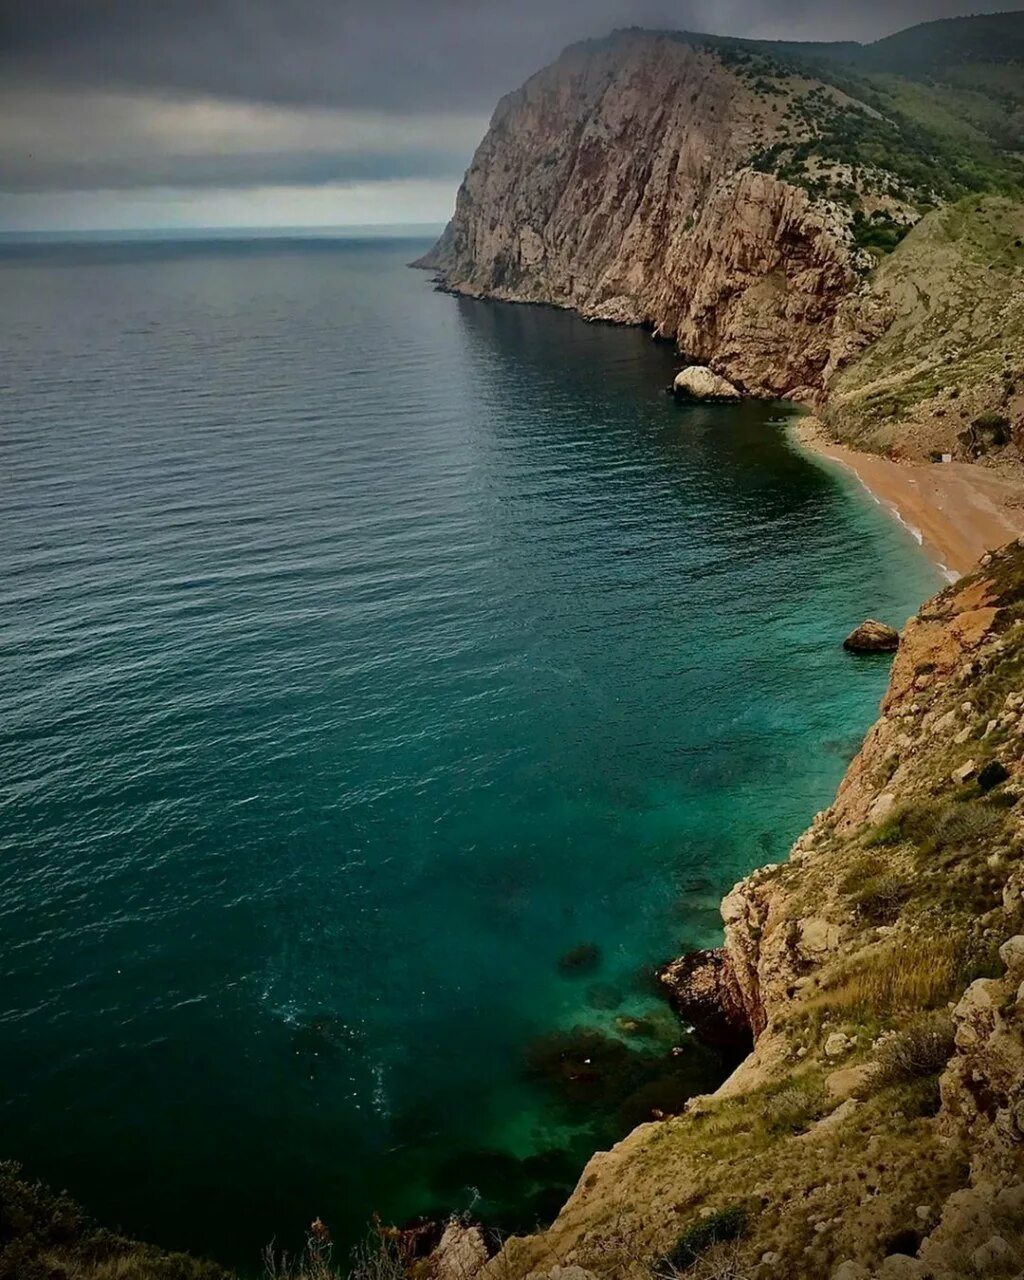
(398, 55)
(122, 93)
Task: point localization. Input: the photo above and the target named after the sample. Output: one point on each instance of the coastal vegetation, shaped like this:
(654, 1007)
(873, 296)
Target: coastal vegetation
(893, 121)
(946, 370)
(45, 1235)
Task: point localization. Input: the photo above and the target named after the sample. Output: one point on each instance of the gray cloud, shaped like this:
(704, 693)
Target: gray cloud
(122, 94)
(397, 55)
(74, 139)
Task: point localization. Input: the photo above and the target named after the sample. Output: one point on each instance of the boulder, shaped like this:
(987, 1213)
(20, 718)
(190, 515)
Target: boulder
(698, 382)
(837, 1044)
(872, 637)
(965, 773)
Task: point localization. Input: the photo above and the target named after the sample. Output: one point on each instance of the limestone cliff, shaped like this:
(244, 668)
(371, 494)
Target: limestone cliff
(751, 202)
(619, 182)
(877, 1128)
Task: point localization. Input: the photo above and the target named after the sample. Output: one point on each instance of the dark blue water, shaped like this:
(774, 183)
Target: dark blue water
(365, 651)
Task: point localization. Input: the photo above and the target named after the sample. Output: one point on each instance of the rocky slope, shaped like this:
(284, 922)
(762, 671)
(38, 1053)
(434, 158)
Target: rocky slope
(877, 1128)
(929, 352)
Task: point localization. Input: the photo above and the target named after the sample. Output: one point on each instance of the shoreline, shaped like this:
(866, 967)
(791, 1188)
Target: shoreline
(956, 511)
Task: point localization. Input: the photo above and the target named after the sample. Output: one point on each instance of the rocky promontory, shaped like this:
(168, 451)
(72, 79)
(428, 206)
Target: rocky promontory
(804, 221)
(618, 182)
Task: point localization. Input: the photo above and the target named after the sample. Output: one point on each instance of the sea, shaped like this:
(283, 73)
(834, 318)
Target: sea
(391, 683)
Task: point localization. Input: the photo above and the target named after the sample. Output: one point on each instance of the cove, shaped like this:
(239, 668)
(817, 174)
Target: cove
(369, 651)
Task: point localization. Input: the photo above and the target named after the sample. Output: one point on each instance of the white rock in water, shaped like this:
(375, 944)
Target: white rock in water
(698, 382)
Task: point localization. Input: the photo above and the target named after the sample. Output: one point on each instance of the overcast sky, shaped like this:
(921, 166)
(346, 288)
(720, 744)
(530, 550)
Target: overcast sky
(166, 113)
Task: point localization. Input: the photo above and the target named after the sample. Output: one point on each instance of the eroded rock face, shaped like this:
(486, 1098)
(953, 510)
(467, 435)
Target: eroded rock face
(618, 182)
(983, 1086)
(872, 637)
(704, 991)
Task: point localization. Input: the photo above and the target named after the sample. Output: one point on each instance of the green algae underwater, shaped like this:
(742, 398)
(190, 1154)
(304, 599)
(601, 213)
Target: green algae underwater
(392, 682)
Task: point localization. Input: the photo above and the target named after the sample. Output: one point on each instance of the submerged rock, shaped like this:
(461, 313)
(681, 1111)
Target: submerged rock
(604, 995)
(698, 382)
(872, 637)
(582, 959)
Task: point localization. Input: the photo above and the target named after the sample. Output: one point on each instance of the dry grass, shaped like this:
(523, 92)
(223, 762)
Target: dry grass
(45, 1235)
(920, 972)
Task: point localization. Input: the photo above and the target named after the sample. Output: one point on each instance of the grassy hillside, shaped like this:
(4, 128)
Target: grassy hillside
(896, 128)
(947, 371)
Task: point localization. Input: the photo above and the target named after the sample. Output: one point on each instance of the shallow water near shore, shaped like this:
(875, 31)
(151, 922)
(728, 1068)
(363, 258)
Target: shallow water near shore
(367, 650)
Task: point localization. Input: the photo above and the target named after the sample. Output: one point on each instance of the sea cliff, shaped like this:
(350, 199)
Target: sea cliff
(617, 182)
(839, 225)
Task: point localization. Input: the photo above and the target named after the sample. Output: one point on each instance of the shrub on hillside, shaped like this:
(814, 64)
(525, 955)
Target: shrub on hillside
(918, 1051)
(718, 1228)
(45, 1235)
(881, 898)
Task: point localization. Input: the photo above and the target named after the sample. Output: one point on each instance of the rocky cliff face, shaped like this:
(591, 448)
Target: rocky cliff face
(619, 182)
(877, 1128)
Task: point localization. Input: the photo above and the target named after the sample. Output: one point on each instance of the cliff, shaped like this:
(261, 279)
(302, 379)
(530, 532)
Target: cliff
(751, 202)
(617, 182)
(877, 1128)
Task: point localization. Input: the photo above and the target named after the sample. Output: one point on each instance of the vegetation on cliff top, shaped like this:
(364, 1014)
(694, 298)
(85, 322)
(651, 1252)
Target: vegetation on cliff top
(926, 116)
(947, 369)
(47, 1236)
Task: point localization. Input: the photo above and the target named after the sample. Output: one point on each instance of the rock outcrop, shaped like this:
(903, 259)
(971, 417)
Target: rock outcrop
(620, 182)
(872, 637)
(741, 203)
(703, 989)
(460, 1254)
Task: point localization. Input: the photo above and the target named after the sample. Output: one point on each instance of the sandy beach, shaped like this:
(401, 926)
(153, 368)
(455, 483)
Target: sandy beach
(956, 510)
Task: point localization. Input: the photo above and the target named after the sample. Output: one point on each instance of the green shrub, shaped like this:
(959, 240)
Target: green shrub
(920, 1050)
(881, 898)
(792, 1108)
(935, 825)
(45, 1235)
(726, 1224)
(990, 420)
(956, 824)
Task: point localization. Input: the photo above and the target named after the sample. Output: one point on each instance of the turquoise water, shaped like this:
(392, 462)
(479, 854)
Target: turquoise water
(365, 651)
